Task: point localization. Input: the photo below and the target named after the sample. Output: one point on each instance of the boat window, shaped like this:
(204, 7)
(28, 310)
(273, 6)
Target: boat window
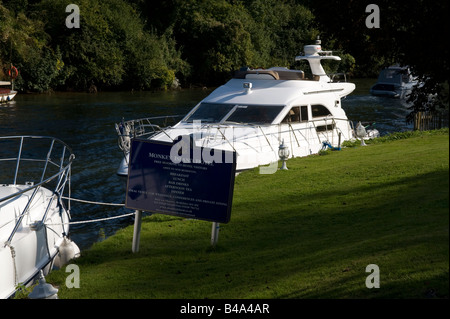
(389, 74)
(297, 114)
(327, 127)
(255, 114)
(210, 112)
(319, 110)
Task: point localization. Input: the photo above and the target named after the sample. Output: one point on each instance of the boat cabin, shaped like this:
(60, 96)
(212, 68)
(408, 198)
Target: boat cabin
(258, 109)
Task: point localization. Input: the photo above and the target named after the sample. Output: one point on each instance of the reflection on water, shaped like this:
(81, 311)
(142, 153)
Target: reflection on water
(388, 114)
(86, 123)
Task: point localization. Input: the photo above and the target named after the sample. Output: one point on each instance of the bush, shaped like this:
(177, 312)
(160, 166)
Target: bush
(111, 49)
(25, 44)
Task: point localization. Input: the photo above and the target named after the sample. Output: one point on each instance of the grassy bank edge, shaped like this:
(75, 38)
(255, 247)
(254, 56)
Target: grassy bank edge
(317, 247)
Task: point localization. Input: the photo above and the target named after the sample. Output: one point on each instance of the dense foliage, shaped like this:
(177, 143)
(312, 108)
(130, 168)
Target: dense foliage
(111, 49)
(137, 44)
(412, 33)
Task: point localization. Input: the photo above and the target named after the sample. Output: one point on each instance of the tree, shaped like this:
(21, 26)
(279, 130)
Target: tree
(25, 44)
(412, 33)
(214, 38)
(110, 49)
(280, 30)
(219, 37)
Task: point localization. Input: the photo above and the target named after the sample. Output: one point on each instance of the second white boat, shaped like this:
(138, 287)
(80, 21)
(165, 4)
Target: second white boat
(256, 111)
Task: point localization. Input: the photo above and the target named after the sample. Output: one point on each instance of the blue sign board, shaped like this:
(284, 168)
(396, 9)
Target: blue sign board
(162, 180)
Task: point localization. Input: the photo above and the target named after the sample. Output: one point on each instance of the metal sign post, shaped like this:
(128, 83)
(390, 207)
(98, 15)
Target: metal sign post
(137, 231)
(215, 233)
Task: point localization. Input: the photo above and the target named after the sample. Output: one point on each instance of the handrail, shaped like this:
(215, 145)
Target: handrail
(137, 128)
(267, 140)
(61, 175)
(293, 132)
(18, 160)
(47, 160)
(333, 75)
(126, 133)
(224, 137)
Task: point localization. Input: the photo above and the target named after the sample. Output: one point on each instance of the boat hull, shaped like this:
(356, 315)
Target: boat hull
(257, 145)
(34, 221)
(390, 91)
(7, 95)
(35, 244)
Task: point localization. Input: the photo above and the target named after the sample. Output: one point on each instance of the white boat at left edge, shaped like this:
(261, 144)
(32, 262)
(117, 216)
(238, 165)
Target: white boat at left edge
(35, 174)
(6, 94)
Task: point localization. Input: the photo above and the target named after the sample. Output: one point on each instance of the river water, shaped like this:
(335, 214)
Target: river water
(86, 123)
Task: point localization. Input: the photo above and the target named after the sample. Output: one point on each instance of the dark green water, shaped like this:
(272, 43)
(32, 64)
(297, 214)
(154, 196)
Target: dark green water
(86, 123)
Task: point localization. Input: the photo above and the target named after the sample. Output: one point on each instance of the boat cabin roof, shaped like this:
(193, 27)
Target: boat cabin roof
(264, 100)
(395, 75)
(263, 90)
(270, 74)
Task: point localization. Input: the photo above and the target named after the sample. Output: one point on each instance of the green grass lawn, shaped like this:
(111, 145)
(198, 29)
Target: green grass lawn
(308, 232)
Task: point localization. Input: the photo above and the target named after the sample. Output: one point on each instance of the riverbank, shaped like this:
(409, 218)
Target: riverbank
(308, 232)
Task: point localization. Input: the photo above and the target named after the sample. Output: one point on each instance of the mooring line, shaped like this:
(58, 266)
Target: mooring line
(93, 220)
(91, 202)
(98, 220)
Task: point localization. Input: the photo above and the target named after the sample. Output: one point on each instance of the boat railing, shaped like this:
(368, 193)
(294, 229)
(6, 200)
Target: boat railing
(337, 77)
(329, 134)
(323, 129)
(331, 129)
(143, 128)
(219, 127)
(36, 161)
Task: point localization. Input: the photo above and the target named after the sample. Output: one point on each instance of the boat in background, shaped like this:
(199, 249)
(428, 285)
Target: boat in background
(395, 82)
(256, 112)
(34, 219)
(6, 94)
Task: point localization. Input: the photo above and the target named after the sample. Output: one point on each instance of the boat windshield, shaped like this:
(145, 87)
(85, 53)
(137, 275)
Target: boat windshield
(391, 76)
(255, 114)
(210, 112)
(235, 113)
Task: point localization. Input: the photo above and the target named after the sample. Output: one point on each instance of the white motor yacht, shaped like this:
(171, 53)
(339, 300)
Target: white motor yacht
(34, 175)
(255, 112)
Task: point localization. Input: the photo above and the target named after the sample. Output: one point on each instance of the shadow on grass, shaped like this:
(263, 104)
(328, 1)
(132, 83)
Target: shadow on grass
(279, 249)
